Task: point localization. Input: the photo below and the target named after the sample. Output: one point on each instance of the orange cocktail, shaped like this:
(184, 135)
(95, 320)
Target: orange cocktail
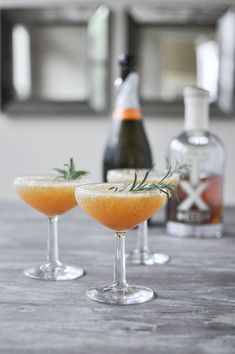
(48, 194)
(51, 196)
(120, 209)
(142, 254)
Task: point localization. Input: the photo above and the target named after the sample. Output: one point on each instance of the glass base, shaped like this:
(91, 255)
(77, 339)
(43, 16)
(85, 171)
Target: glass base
(115, 296)
(57, 272)
(146, 258)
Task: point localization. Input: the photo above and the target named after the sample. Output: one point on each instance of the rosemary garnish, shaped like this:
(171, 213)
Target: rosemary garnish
(178, 168)
(167, 188)
(165, 185)
(70, 172)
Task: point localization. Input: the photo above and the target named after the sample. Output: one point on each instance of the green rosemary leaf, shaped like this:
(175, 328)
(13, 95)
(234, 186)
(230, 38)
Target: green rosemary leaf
(166, 175)
(66, 175)
(134, 182)
(115, 189)
(77, 174)
(59, 170)
(123, 188)
(180, 168)
(144, 179)
(72, 166)
(70, 173)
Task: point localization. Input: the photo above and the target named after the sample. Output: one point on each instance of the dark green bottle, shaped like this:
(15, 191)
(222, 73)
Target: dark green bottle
(127, 145)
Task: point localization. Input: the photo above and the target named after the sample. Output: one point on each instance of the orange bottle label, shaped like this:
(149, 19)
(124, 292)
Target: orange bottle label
(127, 114)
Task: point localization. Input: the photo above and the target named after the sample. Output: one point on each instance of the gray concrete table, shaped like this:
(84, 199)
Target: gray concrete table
(194, 312)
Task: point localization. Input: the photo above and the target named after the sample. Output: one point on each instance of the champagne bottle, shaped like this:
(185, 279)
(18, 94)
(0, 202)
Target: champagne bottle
(127, 145)
(198, 210)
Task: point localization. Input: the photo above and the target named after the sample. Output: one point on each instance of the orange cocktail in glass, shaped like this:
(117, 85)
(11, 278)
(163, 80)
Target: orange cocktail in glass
(48, 194)
(119, 210)
(51, 196)
(142, 254)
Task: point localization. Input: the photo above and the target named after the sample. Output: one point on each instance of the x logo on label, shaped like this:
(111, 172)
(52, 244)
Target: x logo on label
(193, 196)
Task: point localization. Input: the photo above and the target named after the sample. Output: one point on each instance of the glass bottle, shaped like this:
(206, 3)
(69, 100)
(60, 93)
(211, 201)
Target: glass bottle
(127, 145)
(198, 210)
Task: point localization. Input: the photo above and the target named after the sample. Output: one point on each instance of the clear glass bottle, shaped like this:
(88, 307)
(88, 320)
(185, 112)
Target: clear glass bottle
(198, 210)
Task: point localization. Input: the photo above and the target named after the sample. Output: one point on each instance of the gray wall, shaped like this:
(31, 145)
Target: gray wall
(37, 144)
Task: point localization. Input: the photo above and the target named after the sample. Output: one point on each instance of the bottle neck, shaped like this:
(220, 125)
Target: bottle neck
(127, 65)
(196, 114)
(125, 71)
(127, 102)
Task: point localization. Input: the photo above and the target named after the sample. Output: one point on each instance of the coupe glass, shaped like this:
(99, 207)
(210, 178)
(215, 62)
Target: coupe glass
(119, 211)
(51, 196)
(141, 254)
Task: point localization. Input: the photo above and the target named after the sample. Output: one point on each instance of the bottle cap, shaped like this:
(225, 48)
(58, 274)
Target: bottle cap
(196, 101)
(127, 60)
(127, 64)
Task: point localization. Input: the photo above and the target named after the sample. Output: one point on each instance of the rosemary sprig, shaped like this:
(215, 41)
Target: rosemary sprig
(70, 173)
(168, 174)
(179, 168)
(167, 188)
(167, 183)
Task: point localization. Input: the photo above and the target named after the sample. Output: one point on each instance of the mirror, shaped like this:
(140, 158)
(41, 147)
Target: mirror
(226, 37)
(48, 63)
(174, 47)
(174, 62)
(57, 60)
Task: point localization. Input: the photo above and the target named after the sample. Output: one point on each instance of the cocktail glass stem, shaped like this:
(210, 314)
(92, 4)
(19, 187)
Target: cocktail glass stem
(54, 269)
(119, 280)
(119, 292)
(141, 254)
(142, 243)
(52, 242)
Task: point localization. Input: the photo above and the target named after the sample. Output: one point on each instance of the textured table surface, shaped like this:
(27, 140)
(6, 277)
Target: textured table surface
(194, 311)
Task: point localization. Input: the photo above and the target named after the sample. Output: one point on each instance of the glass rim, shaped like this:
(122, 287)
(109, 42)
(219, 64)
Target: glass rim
(129, 172)
(44, 180)
(83, 188)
